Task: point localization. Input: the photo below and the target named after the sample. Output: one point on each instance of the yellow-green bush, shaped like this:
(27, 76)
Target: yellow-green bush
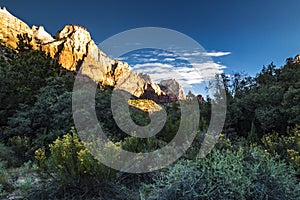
(71, 164)
(288, 147)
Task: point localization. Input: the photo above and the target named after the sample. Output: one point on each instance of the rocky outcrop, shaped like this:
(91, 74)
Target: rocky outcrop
(173, 89)
(297, 58)
(74, 49)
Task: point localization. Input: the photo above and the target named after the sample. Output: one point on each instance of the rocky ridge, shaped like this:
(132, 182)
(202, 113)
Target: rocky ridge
(74, 49)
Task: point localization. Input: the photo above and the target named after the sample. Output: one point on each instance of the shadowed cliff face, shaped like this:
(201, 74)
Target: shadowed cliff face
(75, 50)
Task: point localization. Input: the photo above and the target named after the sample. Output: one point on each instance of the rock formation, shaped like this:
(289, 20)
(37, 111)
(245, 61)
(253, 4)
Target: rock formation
(74, 49)
(297, 58)
(172, 88)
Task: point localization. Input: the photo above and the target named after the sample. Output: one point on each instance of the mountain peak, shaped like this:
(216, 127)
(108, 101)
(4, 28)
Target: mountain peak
(297, 58)
(3, 9)
(70, 30)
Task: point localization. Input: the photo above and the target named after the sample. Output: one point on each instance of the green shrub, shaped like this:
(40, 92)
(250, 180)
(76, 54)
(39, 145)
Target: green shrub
(5, 186)
(25, 178)
(20, 146)
(71, 162)
(242, 174)
(138, 145)
(73, 173)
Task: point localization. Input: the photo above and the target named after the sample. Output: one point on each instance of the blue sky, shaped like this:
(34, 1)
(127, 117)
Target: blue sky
(255, 32)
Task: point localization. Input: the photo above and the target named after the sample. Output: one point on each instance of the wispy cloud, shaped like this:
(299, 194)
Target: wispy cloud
(166, 54)
(194, 73)
(157, 64)
(169, 59)
(211, 54)
(217, 54)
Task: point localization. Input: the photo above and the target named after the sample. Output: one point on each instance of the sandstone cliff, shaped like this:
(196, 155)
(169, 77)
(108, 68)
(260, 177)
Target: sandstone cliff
(74, 49)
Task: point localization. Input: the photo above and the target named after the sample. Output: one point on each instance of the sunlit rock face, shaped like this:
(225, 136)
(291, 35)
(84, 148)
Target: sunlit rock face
(75, 50)
(297, 58)
(10, 27)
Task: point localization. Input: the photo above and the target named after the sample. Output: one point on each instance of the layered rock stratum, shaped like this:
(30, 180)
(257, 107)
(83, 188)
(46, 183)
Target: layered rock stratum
(75, 50)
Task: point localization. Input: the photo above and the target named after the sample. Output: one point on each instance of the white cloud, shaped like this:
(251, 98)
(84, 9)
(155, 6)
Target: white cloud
(208, 65)
(196, 53)
(211, 54)
(165, 54)
(185, 74)
(157, 64)
(169, 59)
(153, 59)
(217, 54)
(145, 60)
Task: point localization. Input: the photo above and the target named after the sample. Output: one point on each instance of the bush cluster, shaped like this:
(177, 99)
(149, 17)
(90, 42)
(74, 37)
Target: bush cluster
(248, 173)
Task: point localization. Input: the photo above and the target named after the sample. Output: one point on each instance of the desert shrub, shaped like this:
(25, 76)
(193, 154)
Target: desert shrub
(21, 178)
(71, 168)
(24, 178)
(294, 158)
(5, 186)
(72, 163)
(286, 146)
(247, 173)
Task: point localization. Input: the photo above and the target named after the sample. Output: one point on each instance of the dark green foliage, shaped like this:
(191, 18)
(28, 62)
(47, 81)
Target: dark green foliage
(290, 104)
(139, 117)
(269, 102)
(105, 116)
(48, 118)
(24, 43)
(172, 124)
(22, 74)
(5, 186)
(7, 155)
(20, 146)
(142, 145)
